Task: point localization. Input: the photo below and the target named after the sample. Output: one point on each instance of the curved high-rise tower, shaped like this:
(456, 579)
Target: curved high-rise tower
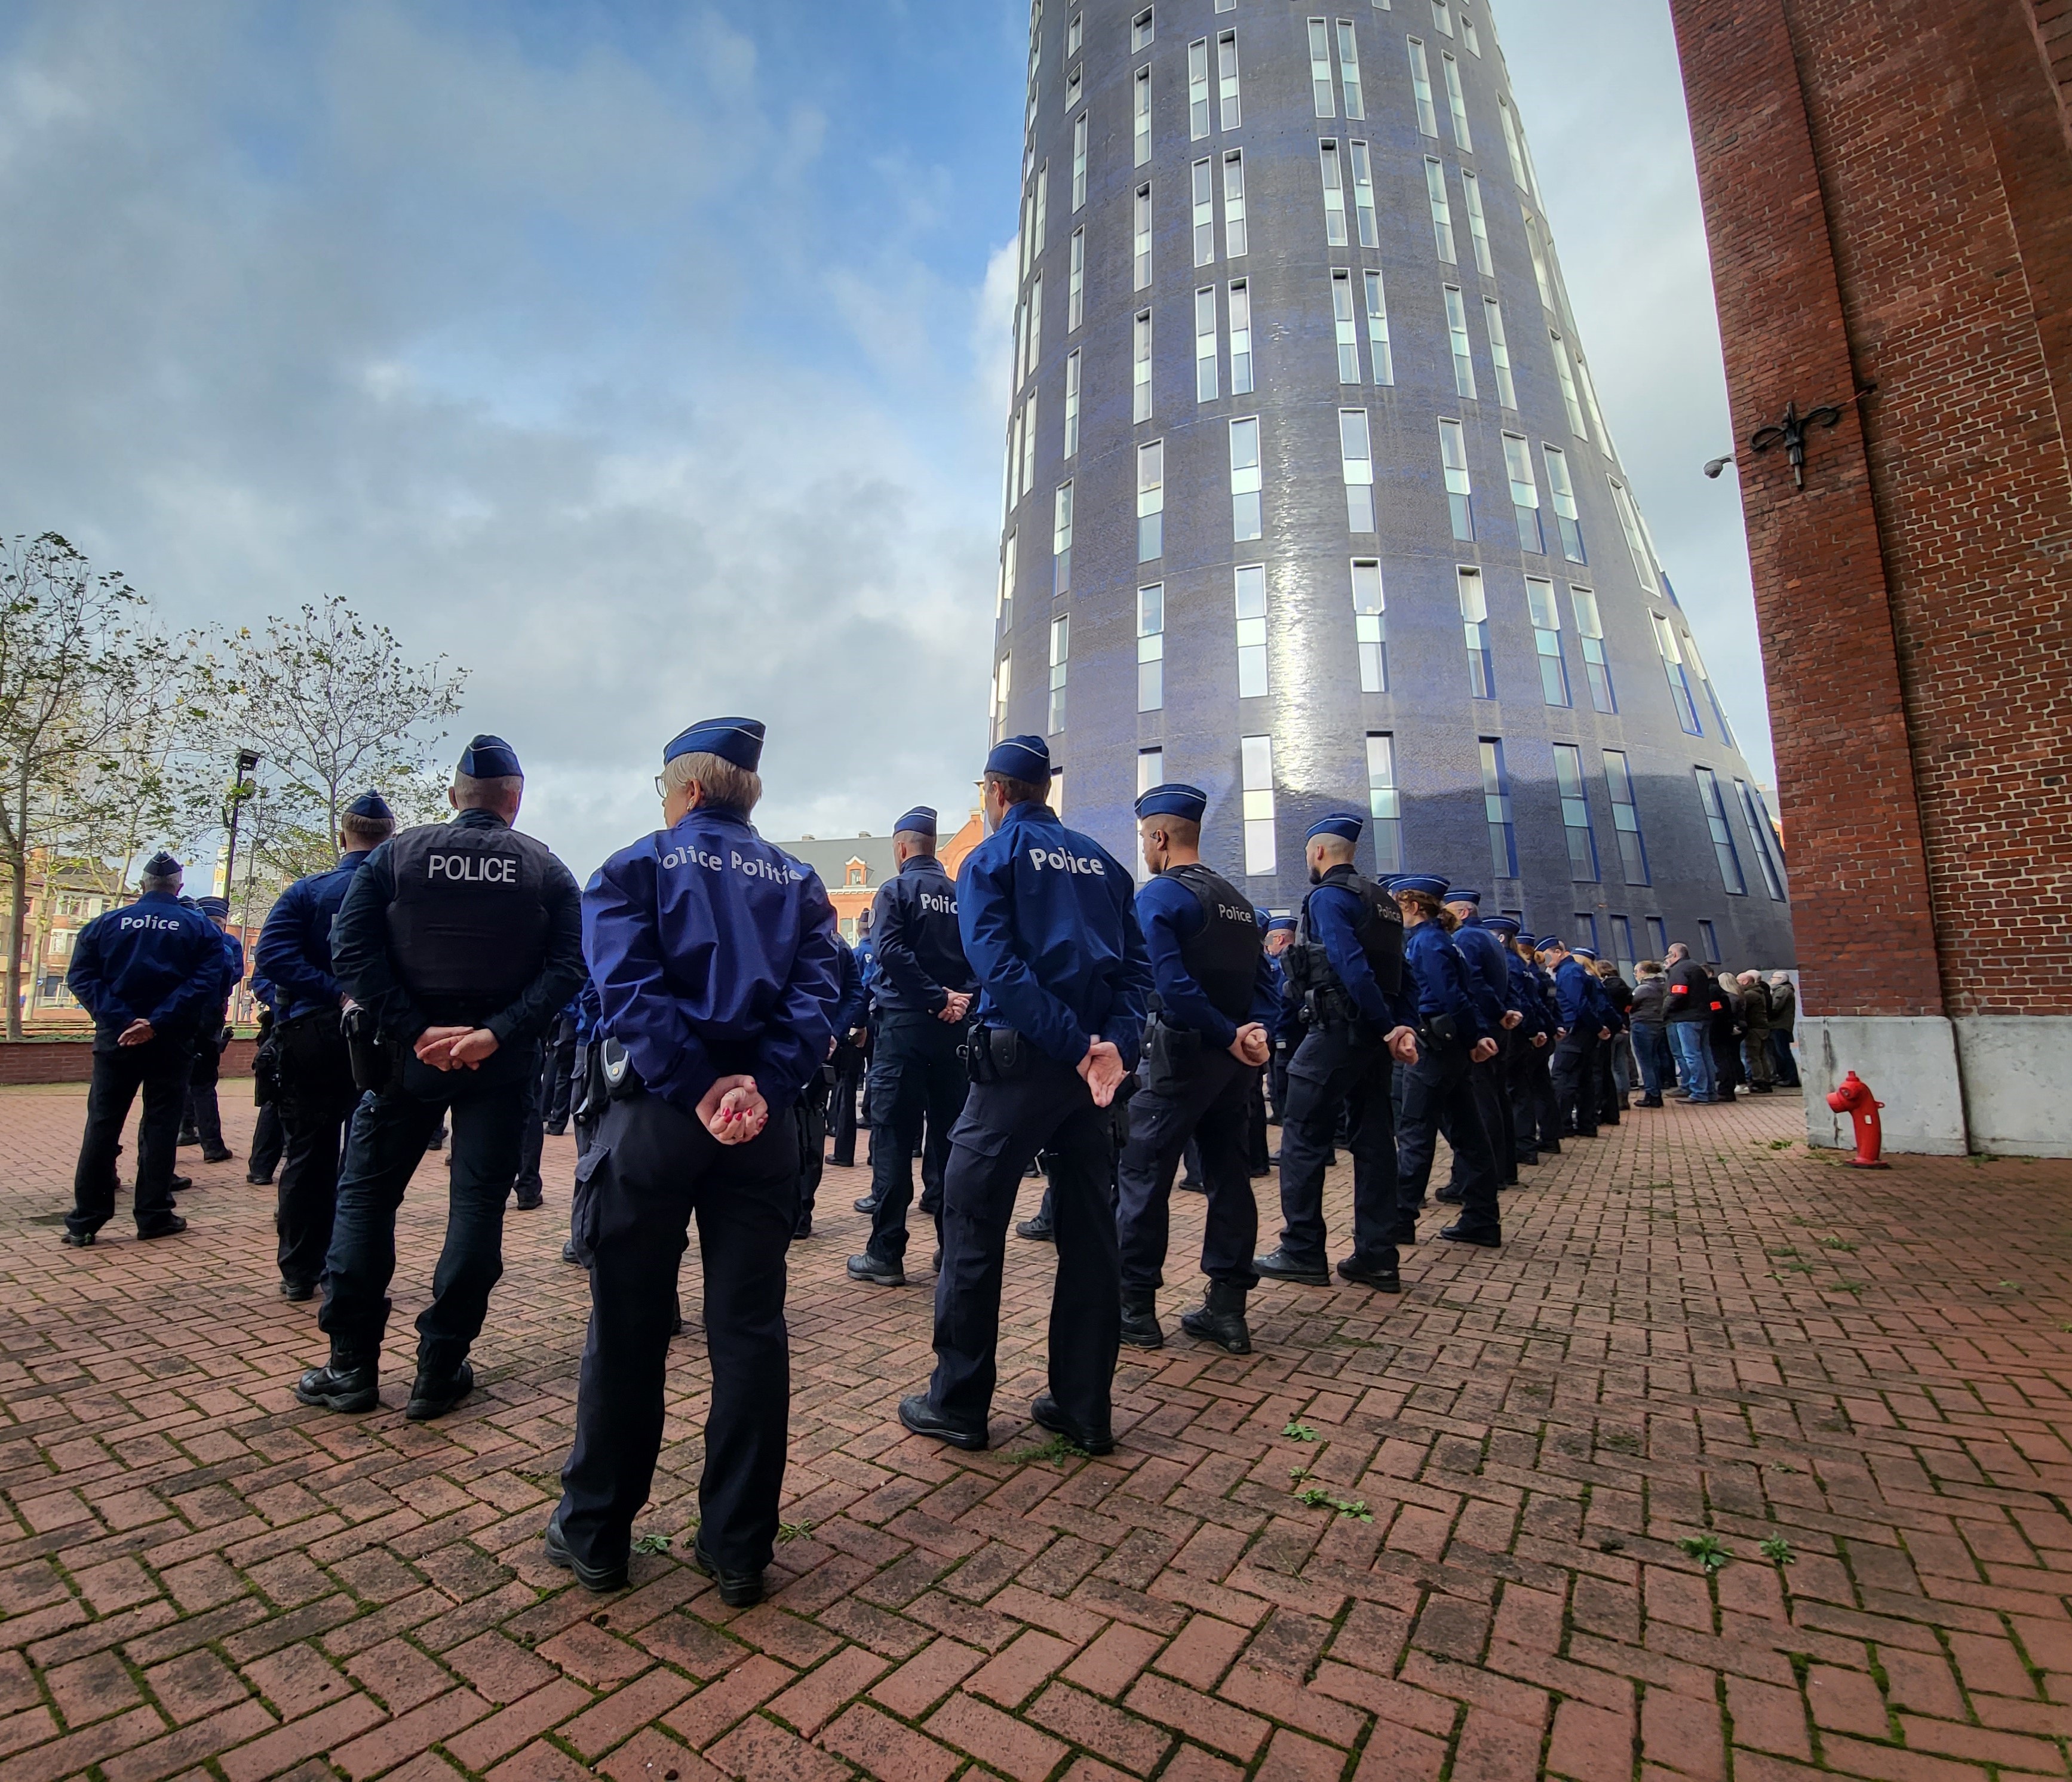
(1310, 497)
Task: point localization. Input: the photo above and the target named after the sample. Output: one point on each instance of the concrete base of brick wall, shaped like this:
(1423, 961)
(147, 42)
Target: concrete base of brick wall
(1981, 1083)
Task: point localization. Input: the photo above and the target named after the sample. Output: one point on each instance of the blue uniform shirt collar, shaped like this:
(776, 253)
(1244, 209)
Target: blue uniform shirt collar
(1029, 810)
(164, 897)
(479, 819)
(712, 813)
(923, 863)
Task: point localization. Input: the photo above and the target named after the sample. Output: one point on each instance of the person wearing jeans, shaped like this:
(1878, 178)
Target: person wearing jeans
(1650, 1039)
(1692, 995)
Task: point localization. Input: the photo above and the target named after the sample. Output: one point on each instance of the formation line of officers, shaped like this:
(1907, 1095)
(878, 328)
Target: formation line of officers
(1041, 1007)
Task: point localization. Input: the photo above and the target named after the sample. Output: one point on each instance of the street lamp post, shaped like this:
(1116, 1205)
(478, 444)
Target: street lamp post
(242, 787)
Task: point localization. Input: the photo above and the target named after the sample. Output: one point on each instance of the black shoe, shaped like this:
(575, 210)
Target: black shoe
(599, 1578)
(804, 1229)
(1447, 1196)
(569, 1253)
(530, 1203)
(868, 1204)
(1140, 1329)
(1192, 1186)
(937, 1264)
(186, 1139)
(182, 1184)
(1530, 1160)
(1277, 1265)
(298, 1290)
(258, 1181)
(170, 1227)
(1649, 1101)
(557, 1132)
(1382, 1280)
(1760, 1089)
(341, 1386)
(1039, 1229)
(77, 1240)
(431, 1398)
(868, 1267)
(1044, 1412)
(221, 1154)
(1273, 1157)
(1219, 1318)
(1550, 1148)
(1406, 1237)
(738, 1589)
(921, 1417)
(1483, 1240)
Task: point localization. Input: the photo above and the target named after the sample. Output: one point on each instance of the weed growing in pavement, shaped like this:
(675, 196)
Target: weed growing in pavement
(1057, 1450)
(1778, 1550)
(1302, 1432)
(1611, 1543)
(794, 1531)
(1781, 1144)
(1707, 1550)
(1316, 1497)
(1783, 1250)
(1620, 1441)
(1784, 1466)
(1796, 1268)
(1841, 1244)
(652, 1543)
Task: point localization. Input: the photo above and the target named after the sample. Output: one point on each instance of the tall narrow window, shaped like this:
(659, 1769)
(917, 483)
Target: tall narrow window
(1546, 615)
(1198, 89)
(1061, 541)
(1227, 79)
(1496, 809)
(1080, 161)
(1771, 837)
(1363, 196)
(1204, 212)
(1240, 337)
(1512, 141)
(1042, 205)
(1575, 813)
(1141, 367)
(1658, 936)
(1456, 332)
(1568, 380)
(1141, 30)
(1071, 404)
(1565, 510)
(1075, 290)
(1524, 493)
(1442, 16)
(1335, 195)
(1590, 628)
(1420, 86)
(1247, 516)
(1379, 355)
(1679, 683)
(1205, 345)
(1234, 232)
(1622, 953)
(1708, 941)
(1017, 366)
(1072, 90)
(1029, 444)
(1506, 390)
(1442, 213)
(1035, 326)
(1255, 762)
(1143, 105)
(1384, 801)
(1141, 243)
(1773, 880)
(1322, 88)
(1625, 821)
(1471, 190)
(1356, 454)
(1150, 769)
(1636, 540)
(1586, 929)
(1468, 35)
(1151, 501)
(1371, 625)
(1250, 587)
(1014, 453)
(1541, 275)
(1349, 78)
(1002, 681)
(1596, 415)
(1475, 626)
(1711, 693)
(1723, 837)
(1453, 461)
(1061, 644)
(1151, 647)
(1347, 325)
(1456, 105)
(1005, 611)
(1075, 33)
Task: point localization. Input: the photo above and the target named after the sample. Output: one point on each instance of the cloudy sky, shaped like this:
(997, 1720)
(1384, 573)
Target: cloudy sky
(648, 357)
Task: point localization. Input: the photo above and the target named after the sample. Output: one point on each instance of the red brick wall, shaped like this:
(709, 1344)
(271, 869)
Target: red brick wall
(1888, 193)
(71, 1061)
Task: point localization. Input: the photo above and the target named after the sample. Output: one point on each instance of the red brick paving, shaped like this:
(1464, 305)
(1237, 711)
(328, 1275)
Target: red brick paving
(1690, 1331)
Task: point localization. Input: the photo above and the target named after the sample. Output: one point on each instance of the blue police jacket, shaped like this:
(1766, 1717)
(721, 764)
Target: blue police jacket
(1049, 919)
(1604, 1010)
(914, 933)
(1434, 964)
(1489, 978)
(1525, 994)
(1170, 915)
(153, 960)
(1284, 1022)
(264, 990)
(853, 1004)
(867, 967)
(713, 953)
(1576, 990)
(588, 1011)
(1334, 916)
(233, 967)
(294, 946)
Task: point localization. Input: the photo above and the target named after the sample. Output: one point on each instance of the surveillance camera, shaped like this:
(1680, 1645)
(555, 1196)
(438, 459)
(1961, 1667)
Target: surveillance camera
(1715, 465)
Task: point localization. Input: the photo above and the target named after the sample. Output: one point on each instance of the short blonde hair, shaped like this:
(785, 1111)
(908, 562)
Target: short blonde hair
(719, 779)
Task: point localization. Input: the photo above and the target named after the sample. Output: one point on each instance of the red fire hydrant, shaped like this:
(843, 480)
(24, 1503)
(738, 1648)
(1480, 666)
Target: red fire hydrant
(1855, 1099)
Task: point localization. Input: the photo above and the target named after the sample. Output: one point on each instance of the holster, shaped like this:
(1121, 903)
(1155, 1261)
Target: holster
(622, 1081)
(1443, 1029)
(375, 1064)
(995, 1054)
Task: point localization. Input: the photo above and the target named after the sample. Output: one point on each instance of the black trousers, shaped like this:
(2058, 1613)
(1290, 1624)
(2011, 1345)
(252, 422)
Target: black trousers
(1438, 1095)
(1576, 1083)
(809, 1121)
(849, 1063)
(1334, 1069)
(1209, 1101)
(1005, 1124)
(651, 1169)
(532, 1136)
(269, 1139)
(557, 1073)
(1486, 1080)
(1546, 1104)
(316, 1100)
(1610, 1100)
(391, 1130)
(204, 1112)
(1521, 1061)
(919, 1077)
(159, 1068)
(1258, 1148)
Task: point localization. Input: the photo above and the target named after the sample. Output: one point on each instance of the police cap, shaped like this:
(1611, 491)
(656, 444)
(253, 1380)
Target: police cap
(1505, 926)
(919, 821)
(491, 758)
(1174, 799)
(1430, 884)
(372, 805)
(1583, 952)
(737, 740)
(1027, 758)
(161, 865)
(213, 906)
(1344, 824)
(1547, 941)
(1275, 922)
(1460, 894)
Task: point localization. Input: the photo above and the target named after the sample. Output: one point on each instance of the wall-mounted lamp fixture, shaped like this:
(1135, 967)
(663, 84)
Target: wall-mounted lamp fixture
(1714, 465)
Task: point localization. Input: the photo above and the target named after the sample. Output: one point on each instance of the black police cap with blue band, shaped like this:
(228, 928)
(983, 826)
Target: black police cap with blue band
(213, 906)
(1343, 824)
(1546, 941)
(919, 821)
(1460, 894)
(374, 806)
(736, 740)
(1026, 759)
(1507, 925)
(1174, 799)
(491, 758)
(1275, 924)
(1585, 952)
(161, 865)
(1426, 884)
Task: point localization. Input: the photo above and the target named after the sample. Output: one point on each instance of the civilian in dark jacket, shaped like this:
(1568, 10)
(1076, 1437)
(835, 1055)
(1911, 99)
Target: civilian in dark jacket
(1651, 1038)
(1688, 1023)
(1783, 1018)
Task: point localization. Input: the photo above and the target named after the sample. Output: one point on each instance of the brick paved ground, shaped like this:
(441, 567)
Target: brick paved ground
(1696, 1329)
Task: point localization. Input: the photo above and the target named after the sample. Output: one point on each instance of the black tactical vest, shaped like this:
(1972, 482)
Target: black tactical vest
(468, 929)
(1222, 958)
(1380, 934)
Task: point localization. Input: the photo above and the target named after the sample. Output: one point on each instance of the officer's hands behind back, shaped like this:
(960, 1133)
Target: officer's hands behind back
(733, 1110)
(1251, 1045)
(1102, 1068)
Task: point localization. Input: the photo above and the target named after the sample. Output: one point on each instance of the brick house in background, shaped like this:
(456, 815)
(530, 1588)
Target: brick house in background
(852, 867)
(1888, 196)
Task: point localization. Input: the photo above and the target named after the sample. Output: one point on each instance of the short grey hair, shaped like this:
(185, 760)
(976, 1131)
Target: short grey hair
(492, 794)
(720, 781)
(917, 841)
(160, 881)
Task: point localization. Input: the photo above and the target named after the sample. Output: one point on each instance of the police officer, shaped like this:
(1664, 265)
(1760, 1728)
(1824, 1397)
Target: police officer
(1489, 983)
(1288, 1017)
(924, 992)
(1525, 1043)
(1049, 922)
(714, 958)
(316, 1095)
(1576, 1052)
(1203, 1050)
(150, 973)
(460, 942)
(269, 1138)
(1346, 965)
(204, 1114)
(866, 965)
(1451, 1040)
(852, 1037)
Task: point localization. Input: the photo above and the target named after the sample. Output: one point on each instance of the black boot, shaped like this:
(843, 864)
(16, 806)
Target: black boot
(1277, 1265)
(1139, 1319)
(1221, 1319)
(343, 1383)
(433, 1396)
